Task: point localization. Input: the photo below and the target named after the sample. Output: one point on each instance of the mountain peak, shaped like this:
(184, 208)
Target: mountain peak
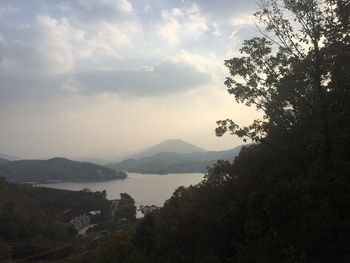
(174, 145)
(169, 145)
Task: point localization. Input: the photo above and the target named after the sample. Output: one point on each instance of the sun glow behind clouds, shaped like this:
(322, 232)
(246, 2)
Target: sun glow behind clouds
(103, 78)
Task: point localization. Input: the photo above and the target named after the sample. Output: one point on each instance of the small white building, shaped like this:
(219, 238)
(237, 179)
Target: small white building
(146, 209)
(95, 212)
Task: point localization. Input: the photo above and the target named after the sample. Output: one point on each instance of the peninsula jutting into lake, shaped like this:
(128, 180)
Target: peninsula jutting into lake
(56, 170)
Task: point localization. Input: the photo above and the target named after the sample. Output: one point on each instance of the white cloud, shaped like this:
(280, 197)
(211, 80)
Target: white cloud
(55, 42)
(123, 5)
(170, 27)
(195, 21)
(45, 47)
(216, 32)
(207, 64)
(114, 67)
(182, 23)
(223, 9)
(244, 20)
(105, 39)
(146, 8)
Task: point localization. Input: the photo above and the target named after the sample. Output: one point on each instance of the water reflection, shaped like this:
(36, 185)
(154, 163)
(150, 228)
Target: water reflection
(146, 189)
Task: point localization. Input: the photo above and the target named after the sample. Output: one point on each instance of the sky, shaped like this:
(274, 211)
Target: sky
(106, 78)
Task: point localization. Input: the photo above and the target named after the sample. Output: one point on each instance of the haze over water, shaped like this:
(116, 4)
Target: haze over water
(147, 189)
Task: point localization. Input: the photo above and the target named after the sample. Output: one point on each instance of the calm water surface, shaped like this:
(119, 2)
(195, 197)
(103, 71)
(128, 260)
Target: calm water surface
(146, 189)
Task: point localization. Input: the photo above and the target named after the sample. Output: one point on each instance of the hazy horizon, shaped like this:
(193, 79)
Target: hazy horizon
(104, 79)
(101, 159)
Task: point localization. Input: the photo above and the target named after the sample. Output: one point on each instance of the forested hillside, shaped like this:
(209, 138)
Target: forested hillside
(287, 198)
(35, 222)
(56, 169)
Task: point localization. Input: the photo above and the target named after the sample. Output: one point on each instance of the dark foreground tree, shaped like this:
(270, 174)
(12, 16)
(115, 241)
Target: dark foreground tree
(126, 208)
(287, 198)
(297, 74)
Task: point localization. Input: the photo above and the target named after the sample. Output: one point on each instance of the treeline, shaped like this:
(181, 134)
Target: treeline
(25, 227)
(56, 170)
(35, 221)
(261, 208)
(287, 198)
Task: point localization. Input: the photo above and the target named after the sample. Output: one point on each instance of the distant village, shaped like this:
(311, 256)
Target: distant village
(146, 209)
(83, 222)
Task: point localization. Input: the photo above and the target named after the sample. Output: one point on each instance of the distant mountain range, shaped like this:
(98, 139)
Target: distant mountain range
(170, 145)
(55, 170)
(170, 156)
(9, 157)
(174, 156)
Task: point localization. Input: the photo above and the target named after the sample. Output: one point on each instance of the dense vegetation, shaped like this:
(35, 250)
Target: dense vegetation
(287, 198)
(25, 228)
(36, 220)
(56, 169)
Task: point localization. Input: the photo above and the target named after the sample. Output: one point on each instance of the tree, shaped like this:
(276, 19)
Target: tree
(266, 206)
(86, 190)
(290, 74)
(126, 208)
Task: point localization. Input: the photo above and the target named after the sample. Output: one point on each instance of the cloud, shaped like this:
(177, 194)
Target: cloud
(55, 43)
(8, 10)
(181, 23)
(92, 11)
(71, 66)
(166, 77)
(225, 16)
(57, 55)
(146, 8)
(45, 48)
(242, 20)
(224, 9)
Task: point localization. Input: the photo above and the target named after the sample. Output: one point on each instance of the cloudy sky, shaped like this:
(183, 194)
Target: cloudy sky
(103, 78)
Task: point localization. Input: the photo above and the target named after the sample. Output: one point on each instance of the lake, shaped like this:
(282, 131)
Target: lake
(146, 189)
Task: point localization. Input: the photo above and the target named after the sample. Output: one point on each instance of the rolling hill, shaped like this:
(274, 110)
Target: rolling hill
(56, 169)
(9, 157)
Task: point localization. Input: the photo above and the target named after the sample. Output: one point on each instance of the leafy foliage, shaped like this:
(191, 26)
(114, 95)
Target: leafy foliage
(292, 74)
(126, 208)
(35, 221)
(287, 198)
(26, 225)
